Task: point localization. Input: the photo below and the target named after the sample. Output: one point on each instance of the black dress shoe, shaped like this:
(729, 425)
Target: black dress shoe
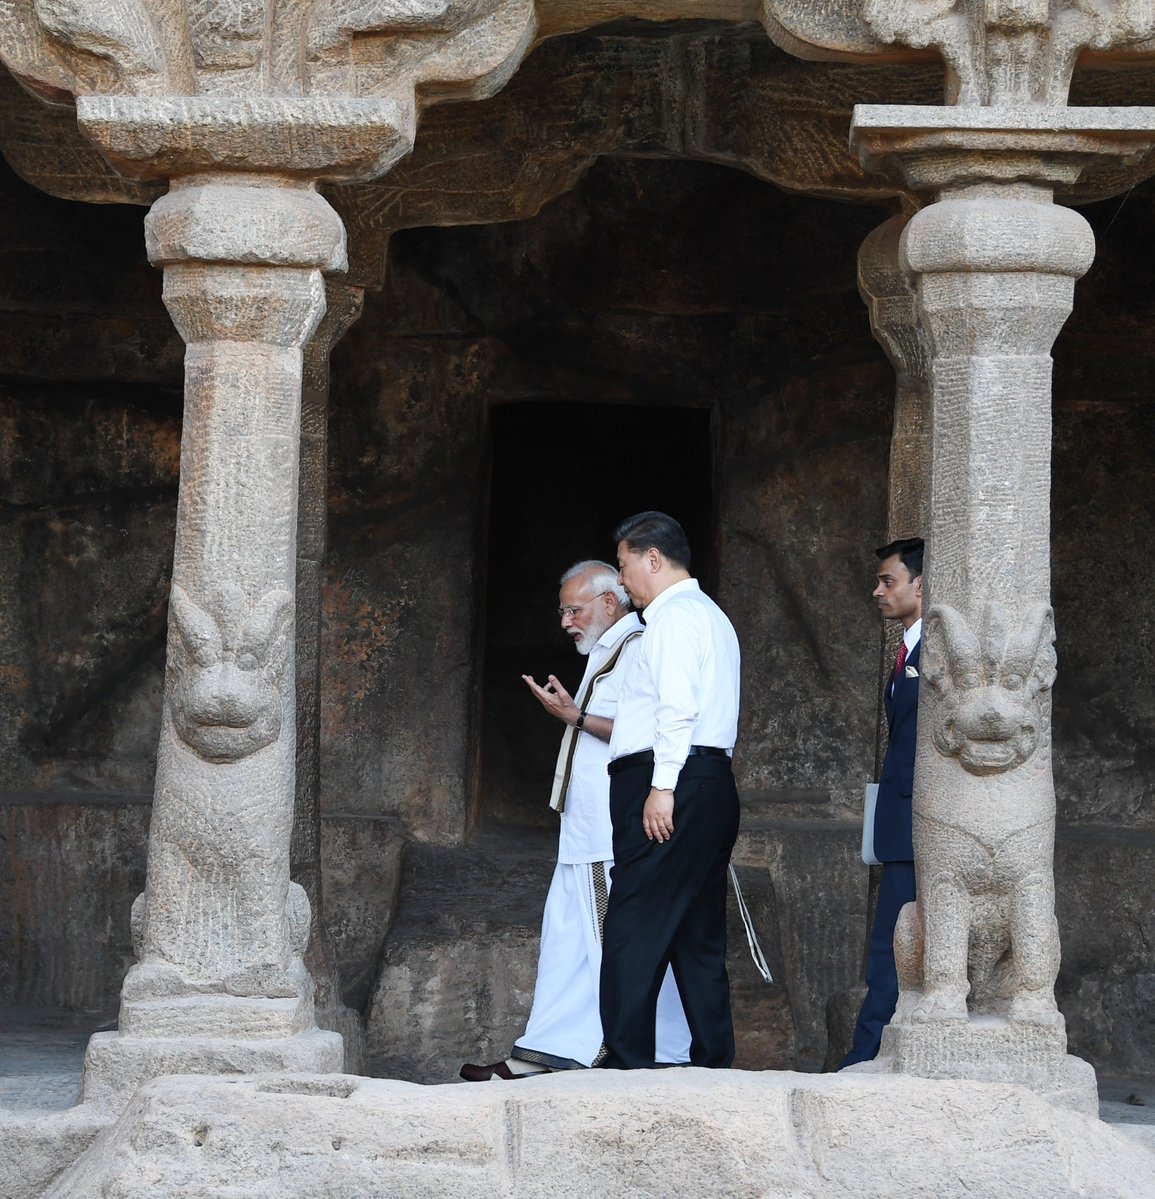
(472, 1073)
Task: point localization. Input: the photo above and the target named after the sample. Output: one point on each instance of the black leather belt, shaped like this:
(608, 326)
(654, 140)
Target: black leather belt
(647, 756)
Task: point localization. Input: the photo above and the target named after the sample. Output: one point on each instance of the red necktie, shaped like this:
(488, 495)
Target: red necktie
(901, 661)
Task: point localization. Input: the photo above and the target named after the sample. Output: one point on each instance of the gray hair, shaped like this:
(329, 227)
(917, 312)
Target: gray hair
(603, 577)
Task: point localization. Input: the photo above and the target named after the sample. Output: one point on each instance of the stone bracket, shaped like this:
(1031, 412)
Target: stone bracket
(340, 140)
(927, 147)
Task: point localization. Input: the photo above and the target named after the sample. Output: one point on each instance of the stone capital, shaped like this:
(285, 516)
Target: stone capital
(328, 90)
(890, 301)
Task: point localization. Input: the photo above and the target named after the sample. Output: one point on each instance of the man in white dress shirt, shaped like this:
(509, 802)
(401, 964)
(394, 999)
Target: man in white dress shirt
(673, 803)
(564, 1030)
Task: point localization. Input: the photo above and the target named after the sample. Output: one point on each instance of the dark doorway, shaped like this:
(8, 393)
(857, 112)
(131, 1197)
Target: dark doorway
(563, 474)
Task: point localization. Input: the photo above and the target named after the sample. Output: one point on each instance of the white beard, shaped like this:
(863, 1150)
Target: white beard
(585, 641)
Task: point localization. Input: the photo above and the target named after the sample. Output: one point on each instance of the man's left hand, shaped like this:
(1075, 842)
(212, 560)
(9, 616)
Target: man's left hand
(658, 815)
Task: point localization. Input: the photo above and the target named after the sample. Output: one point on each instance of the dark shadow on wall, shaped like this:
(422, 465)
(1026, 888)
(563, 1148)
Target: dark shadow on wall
(562, 476)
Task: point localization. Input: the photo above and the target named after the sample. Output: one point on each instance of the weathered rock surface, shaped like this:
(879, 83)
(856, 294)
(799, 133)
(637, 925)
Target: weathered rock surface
(669, 1133)
(456, 976)
(35, 1149)
(361, 872)
(69, 871)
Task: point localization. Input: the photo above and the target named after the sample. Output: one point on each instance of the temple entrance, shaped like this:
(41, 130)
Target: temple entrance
(562, 475)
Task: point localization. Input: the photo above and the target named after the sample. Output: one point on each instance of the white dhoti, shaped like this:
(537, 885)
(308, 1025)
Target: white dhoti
(565, 1027)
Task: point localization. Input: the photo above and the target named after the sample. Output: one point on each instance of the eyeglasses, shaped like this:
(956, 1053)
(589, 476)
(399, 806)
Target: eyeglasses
(571, 610)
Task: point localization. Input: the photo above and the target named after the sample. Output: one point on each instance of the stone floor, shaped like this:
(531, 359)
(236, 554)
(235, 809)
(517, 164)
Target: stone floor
(41, 1056)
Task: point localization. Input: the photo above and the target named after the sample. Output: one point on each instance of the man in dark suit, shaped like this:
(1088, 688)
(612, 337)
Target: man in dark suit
(899, 597)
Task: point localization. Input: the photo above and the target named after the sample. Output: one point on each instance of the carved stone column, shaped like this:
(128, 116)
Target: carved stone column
(994, 263)
(996, 275)
(220, 928)
(342, 308)
(894, 321)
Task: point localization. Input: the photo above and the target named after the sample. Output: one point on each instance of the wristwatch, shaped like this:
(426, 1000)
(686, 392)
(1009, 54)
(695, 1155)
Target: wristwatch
(580, 722)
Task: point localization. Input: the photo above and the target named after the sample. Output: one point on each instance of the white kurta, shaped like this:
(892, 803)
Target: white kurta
(565, 1023)
(587, 835)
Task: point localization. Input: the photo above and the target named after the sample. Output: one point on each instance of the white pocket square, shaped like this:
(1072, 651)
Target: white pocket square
(912, 672)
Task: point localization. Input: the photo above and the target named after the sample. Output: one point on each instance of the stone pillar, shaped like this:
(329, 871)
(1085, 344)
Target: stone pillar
(342, 307)
(994, 263)
(894, 321)
(995, 269)
(220, 928)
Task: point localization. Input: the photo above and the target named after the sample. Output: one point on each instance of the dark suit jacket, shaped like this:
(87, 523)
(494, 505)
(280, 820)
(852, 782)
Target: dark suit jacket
(893, 818)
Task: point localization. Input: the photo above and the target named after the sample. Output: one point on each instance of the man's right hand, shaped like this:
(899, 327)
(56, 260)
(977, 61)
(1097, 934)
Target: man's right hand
(555, 699)
(658, 815)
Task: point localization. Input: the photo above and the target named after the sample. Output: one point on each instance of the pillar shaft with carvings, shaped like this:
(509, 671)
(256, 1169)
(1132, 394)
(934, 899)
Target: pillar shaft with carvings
(894, 321)
(220, 928)
(993, 262)
(342, 307)
(996, 273)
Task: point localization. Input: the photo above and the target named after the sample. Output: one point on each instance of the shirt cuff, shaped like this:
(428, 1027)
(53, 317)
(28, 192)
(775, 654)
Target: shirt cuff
(666, 776)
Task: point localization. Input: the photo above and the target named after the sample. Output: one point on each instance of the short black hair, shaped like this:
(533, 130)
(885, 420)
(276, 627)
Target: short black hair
(909, 550)
(656, 531)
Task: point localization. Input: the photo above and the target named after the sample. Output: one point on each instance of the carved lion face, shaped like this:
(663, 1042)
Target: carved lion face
(226, 671)
(988, 713)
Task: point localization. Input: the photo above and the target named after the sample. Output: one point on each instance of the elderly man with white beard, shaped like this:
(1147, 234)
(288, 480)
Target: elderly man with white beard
(564, 1030)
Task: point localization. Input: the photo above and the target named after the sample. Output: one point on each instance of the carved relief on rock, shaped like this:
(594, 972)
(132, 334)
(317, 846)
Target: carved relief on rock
(988, 685)
(226, 667)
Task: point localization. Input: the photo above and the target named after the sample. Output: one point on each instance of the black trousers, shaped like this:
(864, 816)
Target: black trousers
(667, 906)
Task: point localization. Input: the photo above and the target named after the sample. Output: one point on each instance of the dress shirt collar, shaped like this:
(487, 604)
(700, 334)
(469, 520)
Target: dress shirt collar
(616, 631)
(911, 636)
(674, 589)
